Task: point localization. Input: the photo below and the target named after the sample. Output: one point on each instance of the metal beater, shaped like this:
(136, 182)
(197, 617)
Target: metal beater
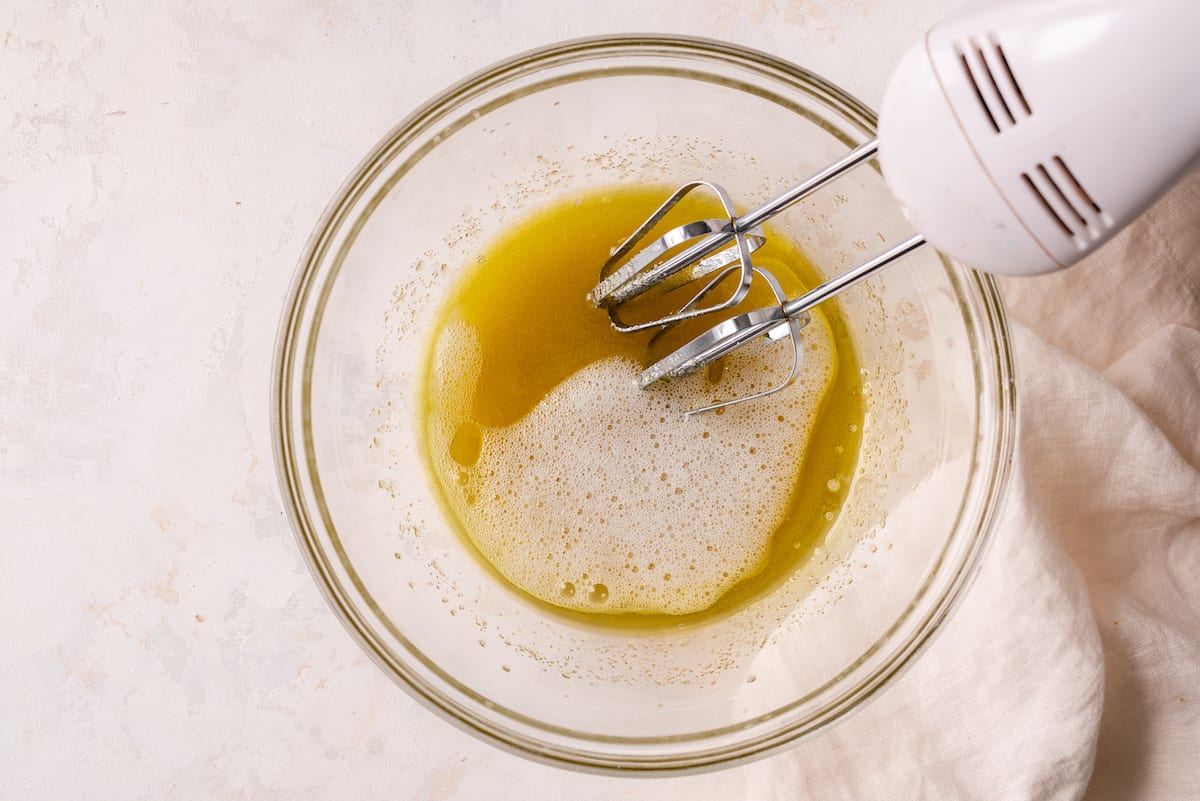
(720, 248)
(979, 123)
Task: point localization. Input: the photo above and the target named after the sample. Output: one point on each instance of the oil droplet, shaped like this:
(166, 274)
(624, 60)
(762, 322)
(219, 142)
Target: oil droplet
(599, 594)
(506, 668)
(566, 589)
(467, 444)
(716, 371)
(833, 485)
(462, 478)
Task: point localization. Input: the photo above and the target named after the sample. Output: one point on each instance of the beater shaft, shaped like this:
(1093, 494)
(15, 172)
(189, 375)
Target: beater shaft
(863, 153)
(728, 335)
(833, 286)
(619, 288)
(631, 271)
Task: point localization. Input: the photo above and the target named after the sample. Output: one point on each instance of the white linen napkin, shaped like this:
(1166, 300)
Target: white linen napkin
(1072, 669)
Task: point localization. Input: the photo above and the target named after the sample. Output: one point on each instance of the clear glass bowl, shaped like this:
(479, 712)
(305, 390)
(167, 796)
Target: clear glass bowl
(938, 437)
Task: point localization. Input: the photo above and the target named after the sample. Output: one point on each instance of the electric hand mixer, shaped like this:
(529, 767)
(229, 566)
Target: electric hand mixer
(1018, 139)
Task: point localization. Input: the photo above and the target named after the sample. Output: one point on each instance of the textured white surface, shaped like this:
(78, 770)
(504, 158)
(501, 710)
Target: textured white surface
(161, 165)
(160, 169)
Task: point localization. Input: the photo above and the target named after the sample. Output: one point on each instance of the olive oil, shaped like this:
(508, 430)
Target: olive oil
(600, 499)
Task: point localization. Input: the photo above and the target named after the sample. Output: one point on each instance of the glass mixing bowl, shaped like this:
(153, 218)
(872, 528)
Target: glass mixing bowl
(937, 439)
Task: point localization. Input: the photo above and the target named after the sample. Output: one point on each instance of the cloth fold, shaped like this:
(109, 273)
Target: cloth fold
(1072, 669)
(1125, 491)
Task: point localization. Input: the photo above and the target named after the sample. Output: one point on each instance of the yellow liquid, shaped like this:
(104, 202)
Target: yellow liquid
(520, 345)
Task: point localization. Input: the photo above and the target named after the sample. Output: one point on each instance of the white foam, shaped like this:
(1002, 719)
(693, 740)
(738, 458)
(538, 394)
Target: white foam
(604, 498)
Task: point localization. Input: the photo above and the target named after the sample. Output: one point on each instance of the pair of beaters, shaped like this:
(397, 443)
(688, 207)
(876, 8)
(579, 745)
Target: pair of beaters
(1017, 139)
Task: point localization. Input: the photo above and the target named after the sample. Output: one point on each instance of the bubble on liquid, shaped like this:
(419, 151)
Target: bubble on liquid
(467, 443)
(697, 498)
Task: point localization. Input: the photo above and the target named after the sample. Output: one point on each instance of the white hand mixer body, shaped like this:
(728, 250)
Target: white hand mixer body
(1017, 137)
(1021, 137)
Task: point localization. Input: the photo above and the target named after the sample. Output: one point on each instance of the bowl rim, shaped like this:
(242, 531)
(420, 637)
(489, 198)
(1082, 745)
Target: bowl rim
(991, 318)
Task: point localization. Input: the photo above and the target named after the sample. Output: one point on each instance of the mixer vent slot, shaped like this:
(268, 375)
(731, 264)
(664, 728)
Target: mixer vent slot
(991, 77)
(1074, 211)
(1046, 204)
(1078, 187)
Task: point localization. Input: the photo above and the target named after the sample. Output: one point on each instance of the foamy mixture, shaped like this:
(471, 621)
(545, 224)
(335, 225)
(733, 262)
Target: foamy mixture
(605, 498)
